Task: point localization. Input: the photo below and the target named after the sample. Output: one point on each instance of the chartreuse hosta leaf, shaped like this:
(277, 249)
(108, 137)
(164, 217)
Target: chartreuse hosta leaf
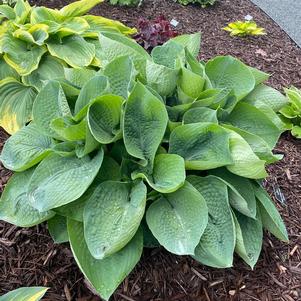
(25, 149)
(104, 117)
(55, 174)
(202, 145)
(271, 218)
(228, 72)
(15, 206)
(144, 124)
(217, 244)
(248, 237)
(50, 103)
(112, 216)
(16, 101)
(178, 219)
(105, 275)
(167, 174)
(25, 294)
(57, 227)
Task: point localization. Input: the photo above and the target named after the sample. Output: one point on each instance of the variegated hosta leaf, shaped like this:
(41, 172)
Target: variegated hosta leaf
(7, 71)
(74, 50)
(25, 149)
(217, 244)
(178, 219)
(15, 206)
(202, 145)
(144, 124)
(78, 8)
(76, 25)
(57, 227)
(25, 294)
(104, 117)
(57, 174)
(22, 10)
(105, 275)
(167, 174)
(35, 34)
(7, 12)
(16, 101)
(42, 14)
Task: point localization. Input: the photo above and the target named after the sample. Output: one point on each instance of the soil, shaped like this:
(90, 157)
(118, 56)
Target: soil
(29, 257)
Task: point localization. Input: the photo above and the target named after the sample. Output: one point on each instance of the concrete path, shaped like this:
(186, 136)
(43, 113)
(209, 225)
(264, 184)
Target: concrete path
(287, 13)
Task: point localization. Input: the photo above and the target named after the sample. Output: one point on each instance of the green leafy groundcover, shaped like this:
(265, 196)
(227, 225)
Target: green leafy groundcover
(157, 149)
(38, 44)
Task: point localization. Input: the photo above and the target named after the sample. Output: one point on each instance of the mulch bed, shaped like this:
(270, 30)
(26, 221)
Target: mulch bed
(29, 257)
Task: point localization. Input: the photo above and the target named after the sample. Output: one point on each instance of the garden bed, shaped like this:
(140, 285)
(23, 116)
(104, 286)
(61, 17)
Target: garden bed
(29, 257)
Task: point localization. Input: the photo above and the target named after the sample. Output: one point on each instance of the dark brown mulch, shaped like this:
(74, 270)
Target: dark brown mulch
(28, 256)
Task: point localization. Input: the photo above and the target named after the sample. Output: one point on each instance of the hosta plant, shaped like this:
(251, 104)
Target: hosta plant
(244, 28)
(291, 113)
(38, 44)
(203, 3)
(157, 150)
(126, 2)
(25, 294)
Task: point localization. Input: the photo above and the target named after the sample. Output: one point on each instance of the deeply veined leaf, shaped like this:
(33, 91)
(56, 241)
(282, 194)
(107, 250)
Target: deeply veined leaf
(202, 145)
(105, 275)
(167, 174)
(112, 216)
(74, 50)
(87, 146)
(228, 72)
(15, 206)
(16, 101)
(144, 124)
(42, 14)
(50, 103)
(190, 41)
(79, 76)
(104, 116)
(25, 149)
(270, 216)
(74, 25)
(25, 294)
(57, 227)
(178, 219)
(78, 8)
(56, 174)
(7, 71)
(217, 244)
(36, 34)
(200, 114)
(248, 237)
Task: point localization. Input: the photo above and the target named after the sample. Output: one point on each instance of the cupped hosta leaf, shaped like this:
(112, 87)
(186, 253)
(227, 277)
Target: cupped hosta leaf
(228, 72)
(296, 131)
(18, 56)
(190, 41)
(202, 145)
(25, 148)
(121, 74)
(270, 216)
(75, 25)
(95, 87)
(245, 162)
(104, 118)
(105, 275)
(167, 174)
(49, 68)
(78, 8)
(25, 294)
(241, 193)
(87, 146)
(57, 227)
(22, 10)
(16, 102)
(79, 76)
(264, 95)
(200, 114)
(36, 34)
(248, 238)
(144, 124)
(253, 120)
(260, 76)
(7, 71)
(15, 207)
(178, 219)
(112, 216)
(60, 180)
(42, 14)
(217, 244)
(74, 50)
(50, 103)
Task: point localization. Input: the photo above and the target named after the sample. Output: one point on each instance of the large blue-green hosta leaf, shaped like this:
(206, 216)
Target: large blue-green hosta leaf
(178, 219)
(16, 101)
(144, 124)
(25, 294)
(105, 275)
(191, 42)
(79, 76)
(200, 114)
(112, 216)
(60, 180)
(217, 244)
(57, 227)
(25, 149)
(15, 206)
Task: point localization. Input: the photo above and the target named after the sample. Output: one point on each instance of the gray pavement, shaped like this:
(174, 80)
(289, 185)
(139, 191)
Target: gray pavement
(287, 13)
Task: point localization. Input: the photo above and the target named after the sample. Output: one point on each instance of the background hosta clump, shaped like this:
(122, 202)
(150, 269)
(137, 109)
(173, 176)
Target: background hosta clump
(38, 44)
(156, 149)
(203, 3)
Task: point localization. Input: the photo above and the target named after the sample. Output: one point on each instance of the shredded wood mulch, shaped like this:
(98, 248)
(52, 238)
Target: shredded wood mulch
(29, 257)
